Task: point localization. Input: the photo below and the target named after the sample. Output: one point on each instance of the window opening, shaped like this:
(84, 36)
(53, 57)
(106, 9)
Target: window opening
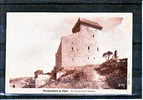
(72, 48)
(97, 49)
(88, 48)
(93, 35)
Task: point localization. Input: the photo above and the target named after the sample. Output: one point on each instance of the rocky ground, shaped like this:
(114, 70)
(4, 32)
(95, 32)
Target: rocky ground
(23, 82)
(111, 74)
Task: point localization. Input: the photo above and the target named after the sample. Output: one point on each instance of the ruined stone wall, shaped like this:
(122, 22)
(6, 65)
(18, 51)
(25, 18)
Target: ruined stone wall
(58, 56)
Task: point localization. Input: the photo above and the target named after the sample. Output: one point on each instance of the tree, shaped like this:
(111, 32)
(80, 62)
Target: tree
(107, 55)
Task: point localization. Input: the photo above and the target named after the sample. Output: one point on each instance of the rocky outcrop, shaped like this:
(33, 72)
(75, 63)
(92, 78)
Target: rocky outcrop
(110, 74)
(41, 80)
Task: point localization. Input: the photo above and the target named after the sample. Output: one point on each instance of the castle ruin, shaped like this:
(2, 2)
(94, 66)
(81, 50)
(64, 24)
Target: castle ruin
(81, 47)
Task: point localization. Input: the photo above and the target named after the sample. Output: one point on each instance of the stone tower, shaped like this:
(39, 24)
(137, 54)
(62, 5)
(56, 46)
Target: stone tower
(81, 47)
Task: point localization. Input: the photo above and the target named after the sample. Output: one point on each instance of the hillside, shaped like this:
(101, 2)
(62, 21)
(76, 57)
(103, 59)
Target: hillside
(111, 74)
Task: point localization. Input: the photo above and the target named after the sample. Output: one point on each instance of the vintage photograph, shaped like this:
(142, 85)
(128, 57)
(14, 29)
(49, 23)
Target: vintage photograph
(72, 51)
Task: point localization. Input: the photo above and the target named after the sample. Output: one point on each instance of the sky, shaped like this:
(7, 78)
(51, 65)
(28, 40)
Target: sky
(33, 38)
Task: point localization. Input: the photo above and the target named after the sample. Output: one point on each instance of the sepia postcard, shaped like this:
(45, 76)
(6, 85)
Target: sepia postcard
(69, 53)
